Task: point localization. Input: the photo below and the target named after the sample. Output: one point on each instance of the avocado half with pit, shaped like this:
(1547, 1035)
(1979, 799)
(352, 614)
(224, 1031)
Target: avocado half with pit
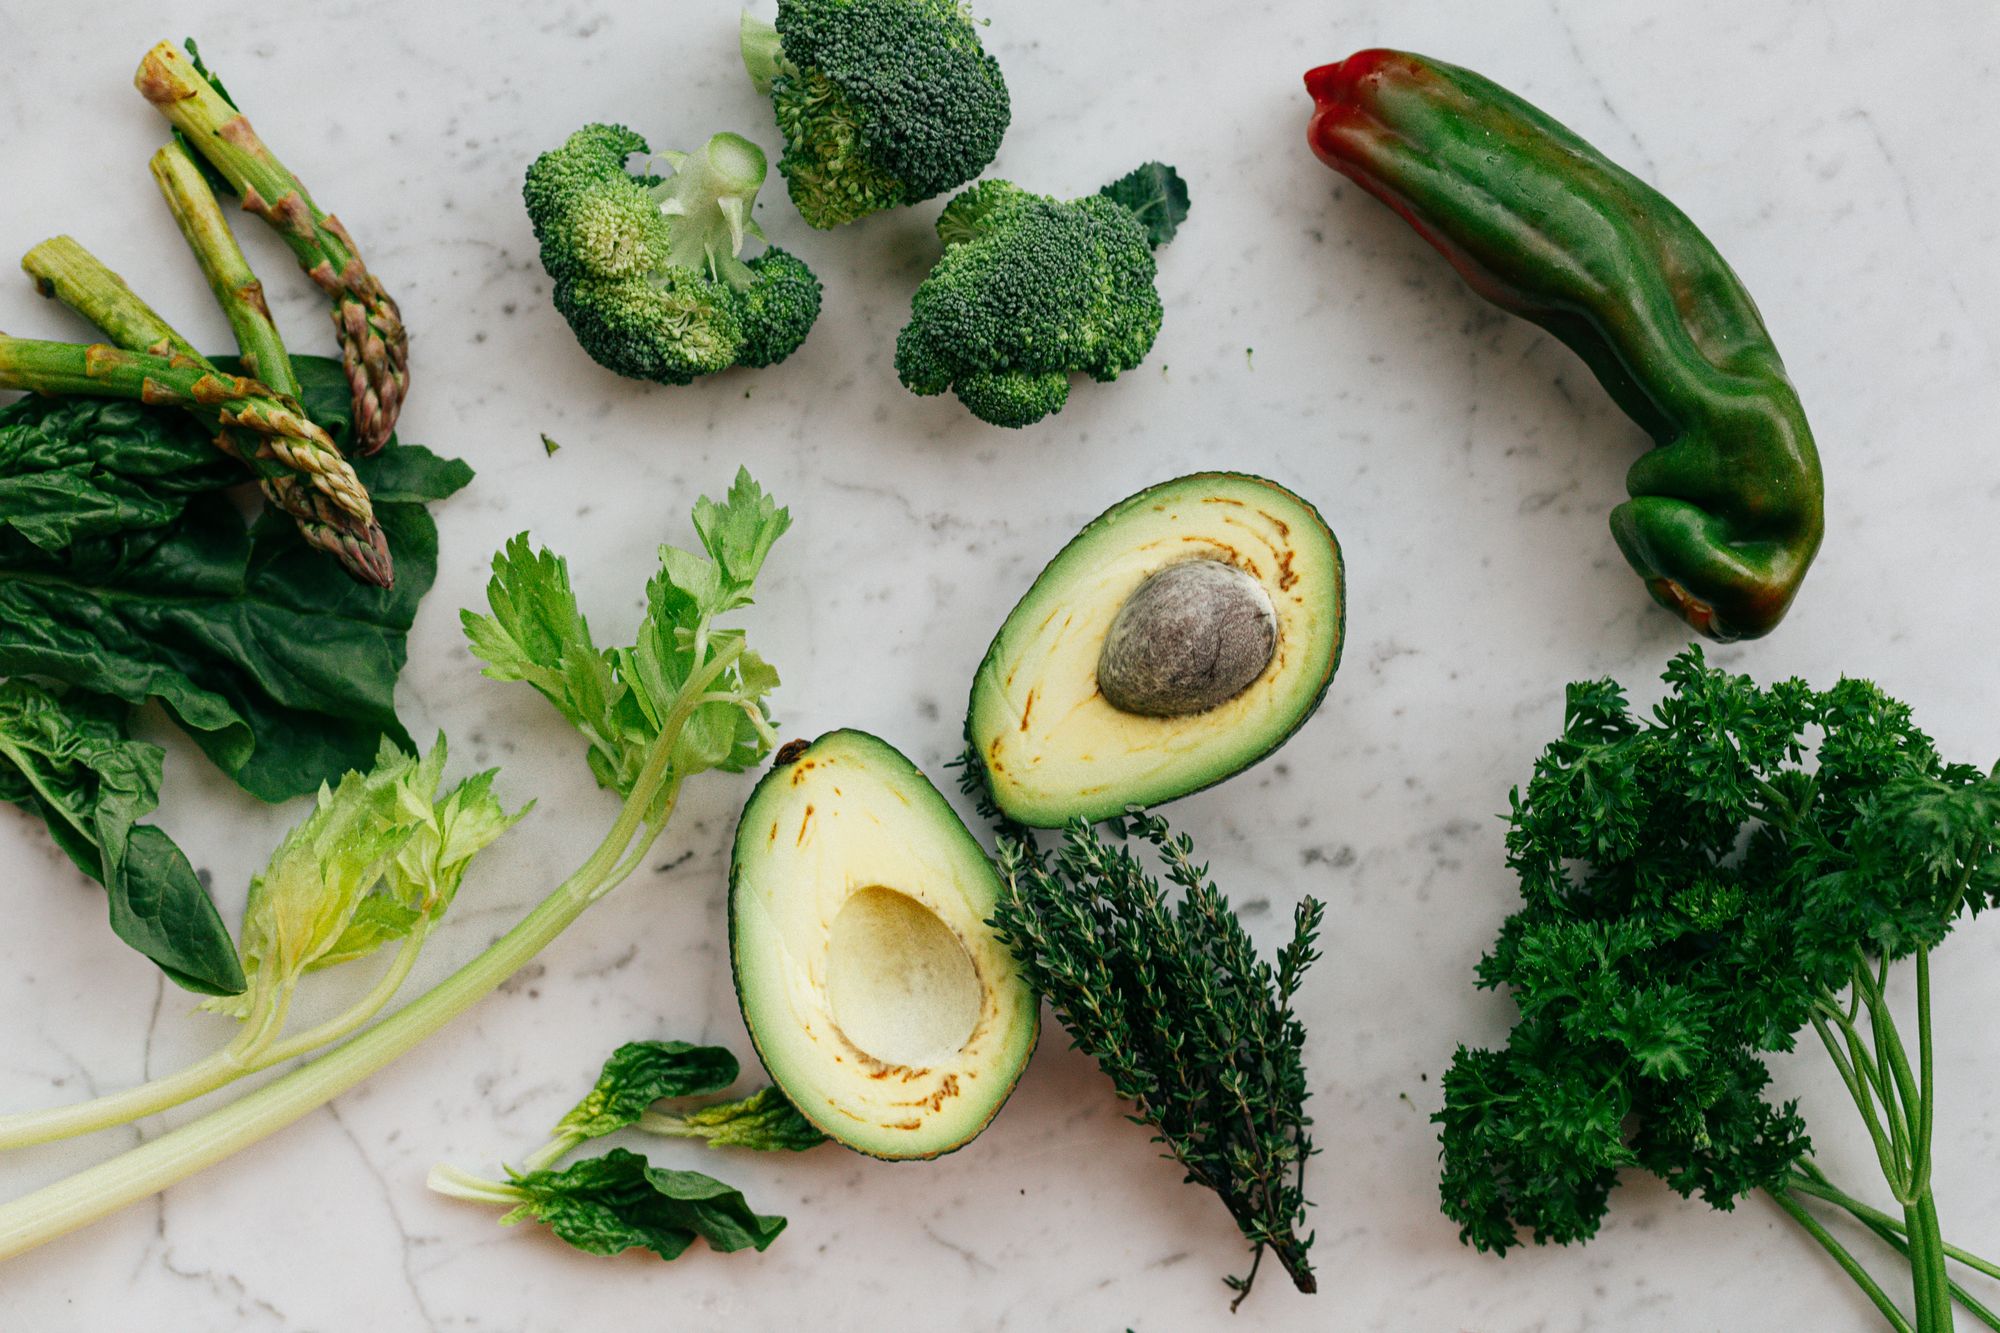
(879, 999)
(1182, 636)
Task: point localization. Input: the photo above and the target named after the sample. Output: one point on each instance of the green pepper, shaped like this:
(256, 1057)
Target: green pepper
(1726, 509)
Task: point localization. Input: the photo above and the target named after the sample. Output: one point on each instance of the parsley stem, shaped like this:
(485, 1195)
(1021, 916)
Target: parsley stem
(1857, 1088)
(1890, 1232)
(1852, 1266)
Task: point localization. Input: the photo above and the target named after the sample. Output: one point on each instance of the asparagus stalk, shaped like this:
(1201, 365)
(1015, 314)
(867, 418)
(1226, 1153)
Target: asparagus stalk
(321, 499)
(373, 345)
(237, 290)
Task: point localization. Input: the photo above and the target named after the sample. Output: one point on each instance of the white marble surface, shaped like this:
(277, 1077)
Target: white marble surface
(1838, 153)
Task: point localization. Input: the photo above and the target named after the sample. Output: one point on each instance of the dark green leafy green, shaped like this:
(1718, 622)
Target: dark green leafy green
(1173, 1003)
(1699, 887)
(640, 1073)
(125, 570)
(69, 761)
(617, 1202)
(1157, 196)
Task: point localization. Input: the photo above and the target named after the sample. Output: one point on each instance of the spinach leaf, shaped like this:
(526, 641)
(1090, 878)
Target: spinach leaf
(125, 570)
(70, 762)
(640, 1073)
(604, 1205)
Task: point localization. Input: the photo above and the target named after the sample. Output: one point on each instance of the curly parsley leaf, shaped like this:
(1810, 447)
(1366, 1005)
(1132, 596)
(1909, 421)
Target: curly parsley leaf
(1698, 886)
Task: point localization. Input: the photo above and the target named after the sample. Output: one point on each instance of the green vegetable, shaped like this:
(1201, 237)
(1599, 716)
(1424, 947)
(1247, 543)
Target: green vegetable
(1031, 290)
(689, 695)
(638, 1074)
(374, 348)
(648, 273)
(69, 761)
(126, 571)
(1728, 509)
(882, 102)
(765, 1121)
(379, 859)
(618, 1202)
(1696, 893)
(306, 478)
(1173, 1003)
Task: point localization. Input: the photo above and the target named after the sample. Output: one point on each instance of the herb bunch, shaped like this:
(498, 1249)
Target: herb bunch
(1172, 1001)
(1699, 888)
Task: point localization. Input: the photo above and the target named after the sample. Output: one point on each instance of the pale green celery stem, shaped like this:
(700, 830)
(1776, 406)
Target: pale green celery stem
(254, 1048)
(461, 1184)
(63, 1207)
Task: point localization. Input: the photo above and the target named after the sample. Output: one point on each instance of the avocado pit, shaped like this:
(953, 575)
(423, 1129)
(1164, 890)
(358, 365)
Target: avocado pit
(1191, 637)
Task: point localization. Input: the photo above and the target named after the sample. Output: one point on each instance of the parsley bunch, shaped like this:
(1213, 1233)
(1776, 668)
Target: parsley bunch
(1699, 889)
(1174, 1004)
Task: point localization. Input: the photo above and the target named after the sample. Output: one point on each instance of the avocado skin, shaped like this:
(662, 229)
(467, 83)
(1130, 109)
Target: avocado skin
(788, 754)
(1093, 814)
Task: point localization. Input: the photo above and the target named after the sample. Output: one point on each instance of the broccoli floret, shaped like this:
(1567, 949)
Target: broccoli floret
(1031, 290)
(882, 102)
(648, 271)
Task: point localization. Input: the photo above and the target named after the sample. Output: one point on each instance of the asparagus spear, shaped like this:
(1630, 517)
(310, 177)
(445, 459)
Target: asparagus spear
(325, 499)
(373, 345)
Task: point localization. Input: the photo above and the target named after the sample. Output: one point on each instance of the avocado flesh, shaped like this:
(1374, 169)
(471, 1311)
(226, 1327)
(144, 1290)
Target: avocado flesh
(878, 998)
(1054, 749)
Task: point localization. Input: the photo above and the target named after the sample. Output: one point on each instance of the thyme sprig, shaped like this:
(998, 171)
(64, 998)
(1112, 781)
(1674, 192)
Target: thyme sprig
(1172, 1001)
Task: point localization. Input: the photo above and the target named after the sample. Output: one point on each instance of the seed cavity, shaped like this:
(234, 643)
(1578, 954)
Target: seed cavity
(1191, 637)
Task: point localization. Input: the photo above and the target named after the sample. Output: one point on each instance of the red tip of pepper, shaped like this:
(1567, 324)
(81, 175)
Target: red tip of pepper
(1342, 91)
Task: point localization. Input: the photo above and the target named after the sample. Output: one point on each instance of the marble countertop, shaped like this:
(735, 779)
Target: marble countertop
(1837, 153)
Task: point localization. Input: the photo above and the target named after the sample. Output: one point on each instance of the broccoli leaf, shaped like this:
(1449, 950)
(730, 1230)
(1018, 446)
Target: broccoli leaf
(765, 1121)
(126, 571)
(640, 1073)
(70, 762)
(1157, 196)
(604, 1205)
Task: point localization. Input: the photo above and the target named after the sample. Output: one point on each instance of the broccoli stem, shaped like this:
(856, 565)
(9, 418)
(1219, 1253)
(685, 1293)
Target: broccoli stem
(63, 1207)
(763, 53)
(373, 344)
(237, 290)
(306, 478)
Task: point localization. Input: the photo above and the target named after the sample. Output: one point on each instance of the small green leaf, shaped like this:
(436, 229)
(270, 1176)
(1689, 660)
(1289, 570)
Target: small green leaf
(604, 1205)
(1157, 196)
(549, 446)
(765, 1121)
(640, 1073)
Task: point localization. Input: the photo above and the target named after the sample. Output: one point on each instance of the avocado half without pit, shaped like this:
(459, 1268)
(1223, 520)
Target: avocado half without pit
(1182, 636)
(879, 999)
